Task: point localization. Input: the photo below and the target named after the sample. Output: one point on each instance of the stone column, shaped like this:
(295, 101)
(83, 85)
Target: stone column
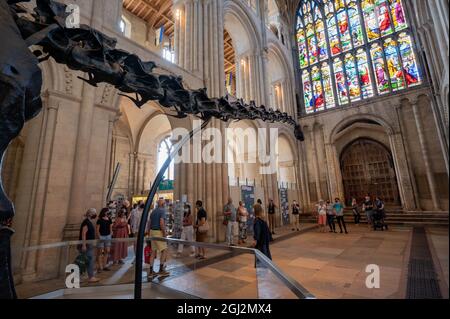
(316, 162)
(425, 156)
(77, 202)
(300, 175)
(252, 83)
(304, 174)
(248, 92)
(139, 174)
(132, 180)
(263, 61)
(109, 164)
(403, 149)
(178, 32)
(146, 178)
(188, 35)
(326, 160)
(403, 175)
(39, 199)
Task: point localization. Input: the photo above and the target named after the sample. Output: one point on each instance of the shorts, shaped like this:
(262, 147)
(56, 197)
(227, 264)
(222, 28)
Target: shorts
(322, 219)
(156, 244)
(104, 242)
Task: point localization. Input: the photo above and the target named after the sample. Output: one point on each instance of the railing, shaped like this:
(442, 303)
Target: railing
(227, 272)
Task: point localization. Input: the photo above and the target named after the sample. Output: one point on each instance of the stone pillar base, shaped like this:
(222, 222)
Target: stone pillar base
(29, 277)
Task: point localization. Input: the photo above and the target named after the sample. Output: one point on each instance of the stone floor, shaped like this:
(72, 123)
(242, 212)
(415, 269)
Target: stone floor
(438, 239)
(328, 265)
(334, 265)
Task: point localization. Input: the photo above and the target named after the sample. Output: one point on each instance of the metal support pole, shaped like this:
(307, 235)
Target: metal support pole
(145, 213)
(113, 182)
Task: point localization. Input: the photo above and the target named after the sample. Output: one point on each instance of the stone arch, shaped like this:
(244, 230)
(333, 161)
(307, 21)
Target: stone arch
(244, 167)
(289, 135)
(144, 126)
(359, 118)
(286, 158)
(278, 53)
(238, 11)
(163, 128)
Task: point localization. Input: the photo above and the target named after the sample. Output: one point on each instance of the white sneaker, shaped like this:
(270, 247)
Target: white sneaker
(192, 255)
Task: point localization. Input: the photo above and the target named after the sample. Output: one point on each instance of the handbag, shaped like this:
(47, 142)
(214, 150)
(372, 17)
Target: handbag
(82, 261)
(203, 228)
(147, 254)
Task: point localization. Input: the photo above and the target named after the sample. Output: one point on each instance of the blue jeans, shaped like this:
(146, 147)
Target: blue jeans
(91, 264)
(331, 224)
(230, 232)
(369, 214)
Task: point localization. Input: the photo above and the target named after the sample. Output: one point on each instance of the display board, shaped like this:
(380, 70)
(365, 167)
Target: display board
(284, 206)
(248, 197)
(166, 185)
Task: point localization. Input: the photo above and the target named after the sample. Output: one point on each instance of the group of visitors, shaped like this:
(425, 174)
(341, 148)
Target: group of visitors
(120, 220)
(117, 221)
(235, 219)
(112, 222)
(240, 217)
(329, 213)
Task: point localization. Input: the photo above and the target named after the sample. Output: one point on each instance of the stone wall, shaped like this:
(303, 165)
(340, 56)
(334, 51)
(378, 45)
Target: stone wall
(412, 140)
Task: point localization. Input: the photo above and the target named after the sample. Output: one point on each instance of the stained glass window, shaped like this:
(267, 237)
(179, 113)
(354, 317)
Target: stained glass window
(393, 64)
(341, 86)
(410, 69)
(318, 101)
(364, 74)
(398, 16)
(379, 68)
(307, 92)
(328, 85)
(353, 49)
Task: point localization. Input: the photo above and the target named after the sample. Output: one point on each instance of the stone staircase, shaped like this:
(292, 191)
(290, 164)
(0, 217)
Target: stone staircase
(397, 217)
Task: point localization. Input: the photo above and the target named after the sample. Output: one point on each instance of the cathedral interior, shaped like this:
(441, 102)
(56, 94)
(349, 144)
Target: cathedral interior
(366, 80)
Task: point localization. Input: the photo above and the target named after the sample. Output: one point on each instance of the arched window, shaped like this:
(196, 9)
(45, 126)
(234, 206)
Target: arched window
(125, 27)
(164, 150)
(351, 50)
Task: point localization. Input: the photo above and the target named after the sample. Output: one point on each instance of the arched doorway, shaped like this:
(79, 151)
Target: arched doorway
(368, 168)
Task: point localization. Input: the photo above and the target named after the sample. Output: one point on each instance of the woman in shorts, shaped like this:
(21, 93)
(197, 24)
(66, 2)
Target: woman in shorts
(104, 234)
(322, 216)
